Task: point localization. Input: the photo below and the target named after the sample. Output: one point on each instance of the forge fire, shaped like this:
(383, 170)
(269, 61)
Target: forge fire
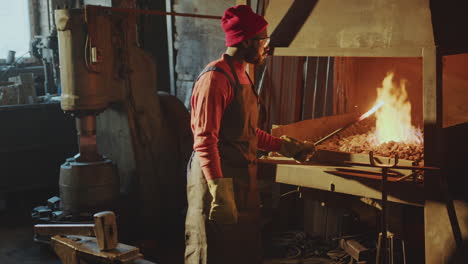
(390, 132)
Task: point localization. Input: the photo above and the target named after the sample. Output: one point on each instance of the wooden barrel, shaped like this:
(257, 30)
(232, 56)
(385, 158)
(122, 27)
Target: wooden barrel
(88, 186)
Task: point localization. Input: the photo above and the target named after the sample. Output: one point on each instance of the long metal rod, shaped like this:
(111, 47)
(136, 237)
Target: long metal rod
(149, 12)
(170, 48)
(384, 246)
(362, 117)
(320, 141)
(48, 17)
(395, 167)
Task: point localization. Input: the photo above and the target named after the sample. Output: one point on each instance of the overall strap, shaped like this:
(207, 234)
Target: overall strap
(217, 69)
(252, 84)
(233, 71)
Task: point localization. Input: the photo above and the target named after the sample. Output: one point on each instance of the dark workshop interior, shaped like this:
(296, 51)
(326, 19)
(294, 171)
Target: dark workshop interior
(96, 131)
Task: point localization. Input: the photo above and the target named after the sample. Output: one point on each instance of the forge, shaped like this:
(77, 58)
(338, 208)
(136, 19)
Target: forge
(365, 41)
(388, 132)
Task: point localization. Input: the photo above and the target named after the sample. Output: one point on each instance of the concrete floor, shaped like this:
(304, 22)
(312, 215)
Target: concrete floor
(16, 234)
(16, 230)
(17, 245)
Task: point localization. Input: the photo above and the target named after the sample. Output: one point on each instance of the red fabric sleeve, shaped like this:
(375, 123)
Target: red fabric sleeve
(211, 95)
(267, 142)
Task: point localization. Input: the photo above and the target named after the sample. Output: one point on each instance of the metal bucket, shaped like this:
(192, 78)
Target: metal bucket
(11, 57)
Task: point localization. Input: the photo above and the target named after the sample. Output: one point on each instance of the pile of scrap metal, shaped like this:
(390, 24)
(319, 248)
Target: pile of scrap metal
(297, 245)
(46, 213)
(300, 247)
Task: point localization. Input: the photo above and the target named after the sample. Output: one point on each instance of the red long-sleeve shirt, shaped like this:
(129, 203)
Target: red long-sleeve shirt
(211, 95)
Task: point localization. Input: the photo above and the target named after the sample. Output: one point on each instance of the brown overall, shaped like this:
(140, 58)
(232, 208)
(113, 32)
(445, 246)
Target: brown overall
(208, 242)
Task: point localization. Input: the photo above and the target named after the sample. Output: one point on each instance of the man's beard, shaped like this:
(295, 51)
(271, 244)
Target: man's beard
(252, 56)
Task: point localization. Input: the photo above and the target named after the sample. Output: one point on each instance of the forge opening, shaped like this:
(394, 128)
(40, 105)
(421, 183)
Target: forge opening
(396, 127)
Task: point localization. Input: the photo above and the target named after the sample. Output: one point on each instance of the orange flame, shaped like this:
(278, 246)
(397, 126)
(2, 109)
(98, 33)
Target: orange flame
(393, 119)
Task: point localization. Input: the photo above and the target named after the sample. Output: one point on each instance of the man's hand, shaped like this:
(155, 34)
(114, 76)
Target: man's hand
(299, 150)
(223, 206)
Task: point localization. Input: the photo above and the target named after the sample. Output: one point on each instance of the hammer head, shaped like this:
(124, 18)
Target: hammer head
(105, 228)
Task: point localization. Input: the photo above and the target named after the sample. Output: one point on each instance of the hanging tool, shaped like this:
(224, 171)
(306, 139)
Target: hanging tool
(359, 119)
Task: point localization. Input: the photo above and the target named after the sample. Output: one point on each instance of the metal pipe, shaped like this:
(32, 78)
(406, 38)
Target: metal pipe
(383, 229)
(304, 87)
(86, 125)
(314, 97)
(325, 96)
(87, 144)
(48, 16)
(170, 48)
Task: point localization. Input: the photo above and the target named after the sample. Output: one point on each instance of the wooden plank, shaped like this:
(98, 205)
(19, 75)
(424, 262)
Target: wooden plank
(455, 90)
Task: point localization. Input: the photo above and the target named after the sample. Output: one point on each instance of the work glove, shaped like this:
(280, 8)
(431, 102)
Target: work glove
(293, 148)
(223, 206)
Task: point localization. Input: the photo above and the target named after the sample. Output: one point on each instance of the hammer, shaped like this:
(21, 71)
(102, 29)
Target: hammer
(104, 229)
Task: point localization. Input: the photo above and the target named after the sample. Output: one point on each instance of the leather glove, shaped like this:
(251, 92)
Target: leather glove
(299, 150)
(223, 206)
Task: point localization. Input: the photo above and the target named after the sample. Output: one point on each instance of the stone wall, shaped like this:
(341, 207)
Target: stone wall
(197, 41)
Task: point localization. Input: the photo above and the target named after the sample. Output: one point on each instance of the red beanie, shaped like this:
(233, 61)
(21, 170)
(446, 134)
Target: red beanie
(240, 23)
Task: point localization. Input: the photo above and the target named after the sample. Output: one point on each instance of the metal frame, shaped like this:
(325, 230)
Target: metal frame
(306, 44)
